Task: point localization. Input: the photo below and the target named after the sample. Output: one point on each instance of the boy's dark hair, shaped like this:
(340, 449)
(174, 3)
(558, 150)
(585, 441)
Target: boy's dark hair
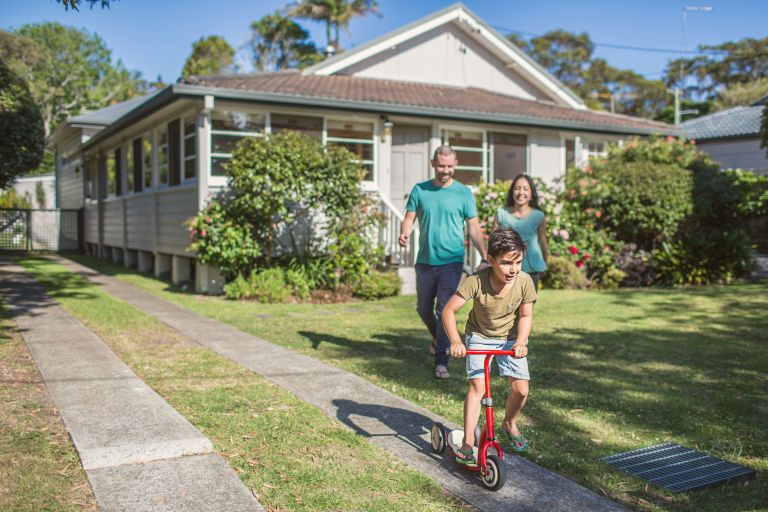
(504, 240)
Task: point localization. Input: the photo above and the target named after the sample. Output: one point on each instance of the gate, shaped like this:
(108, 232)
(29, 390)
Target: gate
(40, 230)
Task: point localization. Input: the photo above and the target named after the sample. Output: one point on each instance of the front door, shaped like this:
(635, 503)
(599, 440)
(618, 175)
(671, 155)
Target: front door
(410, 161)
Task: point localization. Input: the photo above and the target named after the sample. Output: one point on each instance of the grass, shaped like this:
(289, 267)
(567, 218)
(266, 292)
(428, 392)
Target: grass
(612, 371)
(287, 452)
(39, 468)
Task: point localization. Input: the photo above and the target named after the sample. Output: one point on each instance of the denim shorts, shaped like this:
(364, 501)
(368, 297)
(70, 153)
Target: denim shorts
(508, 366)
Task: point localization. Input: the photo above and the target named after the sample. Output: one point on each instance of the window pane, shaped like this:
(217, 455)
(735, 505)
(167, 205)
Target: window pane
(570, 153)
(111, 170)
(509, 155)
(350, 130)
(466, 139)
(189, 127)
(129, 166)
(217, 165)
(363, 151)
(368, 172)
(312, 126)
(147, 153)
(469, 158)
(190, 146)
(190, 168)
(224, 143)
(237, 121)
(468, 177)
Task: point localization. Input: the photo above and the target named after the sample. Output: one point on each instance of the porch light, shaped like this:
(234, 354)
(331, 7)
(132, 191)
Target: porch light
(387, 132)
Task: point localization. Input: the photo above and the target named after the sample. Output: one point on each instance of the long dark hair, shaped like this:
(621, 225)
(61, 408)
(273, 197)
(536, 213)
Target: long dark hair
(534, 202)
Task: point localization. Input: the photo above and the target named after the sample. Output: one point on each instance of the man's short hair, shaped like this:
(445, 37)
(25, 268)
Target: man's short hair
(504, 240)
(444, 150)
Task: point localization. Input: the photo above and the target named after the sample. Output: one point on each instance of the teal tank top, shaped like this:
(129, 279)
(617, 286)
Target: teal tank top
(527, 227)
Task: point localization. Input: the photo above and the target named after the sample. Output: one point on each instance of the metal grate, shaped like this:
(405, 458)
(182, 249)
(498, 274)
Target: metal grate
(677, 468)
(39, 230)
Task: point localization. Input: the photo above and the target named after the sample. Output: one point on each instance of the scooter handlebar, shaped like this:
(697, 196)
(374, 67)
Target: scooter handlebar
(474, 352)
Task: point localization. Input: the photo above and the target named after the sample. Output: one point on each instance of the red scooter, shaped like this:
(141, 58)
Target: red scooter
(490, 465)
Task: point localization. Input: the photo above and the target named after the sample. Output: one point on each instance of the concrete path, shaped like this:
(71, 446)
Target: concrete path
(390, 422)
(139, 454)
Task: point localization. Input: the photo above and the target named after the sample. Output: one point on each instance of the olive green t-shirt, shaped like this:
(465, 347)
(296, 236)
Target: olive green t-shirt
(493, 316)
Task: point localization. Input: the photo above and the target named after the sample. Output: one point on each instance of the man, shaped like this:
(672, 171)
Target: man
(442, 206)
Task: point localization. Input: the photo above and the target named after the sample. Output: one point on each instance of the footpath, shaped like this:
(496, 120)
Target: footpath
(388, 421)
(138, 453)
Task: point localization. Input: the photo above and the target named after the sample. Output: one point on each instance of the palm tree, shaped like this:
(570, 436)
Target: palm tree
(335, 13)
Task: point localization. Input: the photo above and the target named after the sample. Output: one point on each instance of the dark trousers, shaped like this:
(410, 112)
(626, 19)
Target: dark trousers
(435, 284)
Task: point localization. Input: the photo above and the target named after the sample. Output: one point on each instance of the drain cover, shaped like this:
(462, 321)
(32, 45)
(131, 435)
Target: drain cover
(677, 468)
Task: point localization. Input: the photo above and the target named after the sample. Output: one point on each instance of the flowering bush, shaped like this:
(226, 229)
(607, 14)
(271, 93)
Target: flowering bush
(489, 197)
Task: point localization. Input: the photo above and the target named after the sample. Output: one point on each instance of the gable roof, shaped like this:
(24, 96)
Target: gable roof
(478, 29)
(734, 122)
(108, 115)
(410, 98)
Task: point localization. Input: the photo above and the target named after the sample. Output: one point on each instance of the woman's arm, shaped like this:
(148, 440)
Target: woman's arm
(455, 303)
(542, 236)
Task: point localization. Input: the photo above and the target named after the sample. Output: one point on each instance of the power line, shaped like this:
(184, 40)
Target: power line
(624, 46)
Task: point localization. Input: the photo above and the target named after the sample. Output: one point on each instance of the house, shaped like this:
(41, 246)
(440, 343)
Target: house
(732, 137)
(446, 78)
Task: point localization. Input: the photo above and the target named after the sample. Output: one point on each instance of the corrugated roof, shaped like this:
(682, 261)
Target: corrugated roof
(407, 95)
(734, 122)
(108, 115)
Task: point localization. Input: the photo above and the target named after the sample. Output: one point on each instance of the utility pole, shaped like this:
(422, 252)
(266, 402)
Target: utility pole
(678, 91)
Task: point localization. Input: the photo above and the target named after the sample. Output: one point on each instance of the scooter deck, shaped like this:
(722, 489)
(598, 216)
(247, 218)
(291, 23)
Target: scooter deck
(455, 440)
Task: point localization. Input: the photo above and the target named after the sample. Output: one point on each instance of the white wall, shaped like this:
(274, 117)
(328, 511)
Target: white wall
(28, 186)
(737, 154)
(446, 56)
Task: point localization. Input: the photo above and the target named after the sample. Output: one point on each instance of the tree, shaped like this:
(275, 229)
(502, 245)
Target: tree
(21, 127)
(722, 65)
(278, 42)
(738, 95)
(764, 130)
(68, 70)
(335, 13)
(564, 54)
(75, 4)
(210, 56)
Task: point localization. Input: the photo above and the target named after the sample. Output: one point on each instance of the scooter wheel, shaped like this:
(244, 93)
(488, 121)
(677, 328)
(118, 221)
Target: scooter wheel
(438, 438)
(495, 473)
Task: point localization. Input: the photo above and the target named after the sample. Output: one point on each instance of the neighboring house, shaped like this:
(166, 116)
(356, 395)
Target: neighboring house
(39, 190)
(732, 137)
(447, 78)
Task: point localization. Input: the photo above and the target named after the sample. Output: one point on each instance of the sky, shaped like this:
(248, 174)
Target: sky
(155, 37)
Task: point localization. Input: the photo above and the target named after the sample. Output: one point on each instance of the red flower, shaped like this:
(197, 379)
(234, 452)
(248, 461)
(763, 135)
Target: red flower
(579, 264)
(573, 250)
(586, 257)
(202, 234)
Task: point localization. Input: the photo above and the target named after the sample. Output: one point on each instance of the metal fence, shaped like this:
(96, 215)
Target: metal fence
(40, 230)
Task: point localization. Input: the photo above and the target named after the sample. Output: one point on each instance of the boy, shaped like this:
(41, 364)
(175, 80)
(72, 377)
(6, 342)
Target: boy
(501, 318)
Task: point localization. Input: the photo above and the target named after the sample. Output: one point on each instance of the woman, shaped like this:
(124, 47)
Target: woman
(522, 213)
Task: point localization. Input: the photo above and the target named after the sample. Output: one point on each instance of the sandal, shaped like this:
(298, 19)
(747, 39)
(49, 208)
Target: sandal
(433, 347)
(517, 443)
(441, 372)
(466, 456)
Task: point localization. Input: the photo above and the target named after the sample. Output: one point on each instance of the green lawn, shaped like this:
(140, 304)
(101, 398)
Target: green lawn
(612, 371)
(288, 453)
(39, 468)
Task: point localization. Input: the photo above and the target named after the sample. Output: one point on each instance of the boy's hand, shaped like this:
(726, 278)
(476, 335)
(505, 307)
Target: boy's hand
(458, 349)
(521, 350)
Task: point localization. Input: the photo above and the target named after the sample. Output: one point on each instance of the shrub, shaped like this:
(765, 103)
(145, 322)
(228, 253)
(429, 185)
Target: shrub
(636, 265)
(268, 285)
(376, 285)
(489, 197)
(564, 274)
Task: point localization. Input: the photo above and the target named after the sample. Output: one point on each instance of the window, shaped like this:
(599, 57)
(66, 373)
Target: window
(570, 153)
(312, 126)
(138, 172)
(110, 175)
(162, 156)
(470, 152)
(227, 129)
(190, 149)
(508, 155)
(146, 151)
(90, 180)
(130, 166)
(357, 137)
(119, 171)
(174, 152)
(595, 149)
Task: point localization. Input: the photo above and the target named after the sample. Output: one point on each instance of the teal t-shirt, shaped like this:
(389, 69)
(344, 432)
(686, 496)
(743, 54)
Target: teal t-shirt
(441, 212)
(527, 227)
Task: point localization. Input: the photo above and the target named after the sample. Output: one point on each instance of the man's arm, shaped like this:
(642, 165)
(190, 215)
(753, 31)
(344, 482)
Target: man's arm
(406, 227)
(523, 329)
(448, 316)
(476, 234)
